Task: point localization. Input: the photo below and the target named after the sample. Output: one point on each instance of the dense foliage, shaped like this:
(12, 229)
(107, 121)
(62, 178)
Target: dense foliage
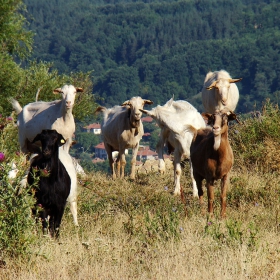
(20, 78)
(157, 49)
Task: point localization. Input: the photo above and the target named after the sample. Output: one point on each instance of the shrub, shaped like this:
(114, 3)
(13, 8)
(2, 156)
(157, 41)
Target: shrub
(255, 141)
(16, 222)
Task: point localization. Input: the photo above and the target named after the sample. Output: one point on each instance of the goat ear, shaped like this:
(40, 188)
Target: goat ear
(208, 118)
(126, 103)
(37, 138)
(212, 85)
(232, 116)
(57, 91)
(79, 89)
(147, 101)
(235, 80)
(99, 109)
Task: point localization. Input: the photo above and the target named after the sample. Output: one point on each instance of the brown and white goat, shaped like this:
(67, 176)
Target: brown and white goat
(212, 157)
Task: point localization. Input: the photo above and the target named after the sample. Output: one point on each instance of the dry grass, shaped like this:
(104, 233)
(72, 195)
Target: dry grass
(138, 230)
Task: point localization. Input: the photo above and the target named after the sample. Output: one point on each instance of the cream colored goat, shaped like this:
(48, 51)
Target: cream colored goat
(173, 118)
(122, 128)
(36, 116)
(219, 91)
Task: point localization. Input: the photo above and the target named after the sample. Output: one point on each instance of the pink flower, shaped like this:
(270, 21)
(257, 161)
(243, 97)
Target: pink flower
(2, 157)
(44, 172)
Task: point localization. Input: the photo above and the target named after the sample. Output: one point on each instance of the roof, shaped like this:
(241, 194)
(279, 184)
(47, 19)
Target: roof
(147, 119)
(145, 151)
(100, 146)
(93, 126)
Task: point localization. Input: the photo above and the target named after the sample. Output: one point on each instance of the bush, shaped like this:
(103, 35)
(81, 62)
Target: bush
(16, 222)
(255, 141)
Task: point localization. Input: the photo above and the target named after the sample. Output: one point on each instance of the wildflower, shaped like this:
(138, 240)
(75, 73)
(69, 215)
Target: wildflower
(9, 118)
(166, 188)
(44, 172)
(2, 157)
(209, 223)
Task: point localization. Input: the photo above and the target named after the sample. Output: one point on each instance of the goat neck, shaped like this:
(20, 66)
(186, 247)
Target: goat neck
(134, 122)
(220, 130)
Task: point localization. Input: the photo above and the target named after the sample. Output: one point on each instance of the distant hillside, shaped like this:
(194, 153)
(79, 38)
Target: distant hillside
(163, 48)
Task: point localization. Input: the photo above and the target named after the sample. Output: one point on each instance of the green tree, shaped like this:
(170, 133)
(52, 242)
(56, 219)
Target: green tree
(14, 37)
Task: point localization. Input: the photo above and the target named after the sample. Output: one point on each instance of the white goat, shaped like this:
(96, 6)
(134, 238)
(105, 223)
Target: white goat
(173, 119)
(71, 169)
(36, 116)
(122, 128)
(219, 91)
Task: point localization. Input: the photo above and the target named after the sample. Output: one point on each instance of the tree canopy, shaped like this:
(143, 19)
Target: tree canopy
(158, 49)
(20, 77)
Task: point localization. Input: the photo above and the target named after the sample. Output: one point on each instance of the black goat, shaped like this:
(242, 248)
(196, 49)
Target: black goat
(54, 181)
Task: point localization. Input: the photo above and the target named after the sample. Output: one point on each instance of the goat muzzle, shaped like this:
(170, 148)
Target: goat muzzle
(47, 153)
(216, 130)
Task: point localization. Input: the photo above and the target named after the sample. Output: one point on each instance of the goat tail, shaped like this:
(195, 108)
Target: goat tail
(15, 105)
(37, 94)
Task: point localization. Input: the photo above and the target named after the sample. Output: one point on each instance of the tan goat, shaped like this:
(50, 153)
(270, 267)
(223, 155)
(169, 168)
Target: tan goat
(212, 157)
(122, 129)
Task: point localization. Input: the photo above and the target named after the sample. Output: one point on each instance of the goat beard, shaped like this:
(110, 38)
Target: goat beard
(135, 123)
(217, 142)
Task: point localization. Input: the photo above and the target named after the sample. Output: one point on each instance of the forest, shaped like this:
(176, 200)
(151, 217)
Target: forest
(157, 49)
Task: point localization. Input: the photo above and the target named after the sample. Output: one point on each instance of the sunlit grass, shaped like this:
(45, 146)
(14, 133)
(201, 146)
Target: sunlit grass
(139, 230)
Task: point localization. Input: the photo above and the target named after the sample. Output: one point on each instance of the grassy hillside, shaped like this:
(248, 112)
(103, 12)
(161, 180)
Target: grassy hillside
(138, 230)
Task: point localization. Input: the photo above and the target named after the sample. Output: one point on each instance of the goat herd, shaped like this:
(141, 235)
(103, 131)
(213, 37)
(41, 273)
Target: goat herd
(46, 130)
